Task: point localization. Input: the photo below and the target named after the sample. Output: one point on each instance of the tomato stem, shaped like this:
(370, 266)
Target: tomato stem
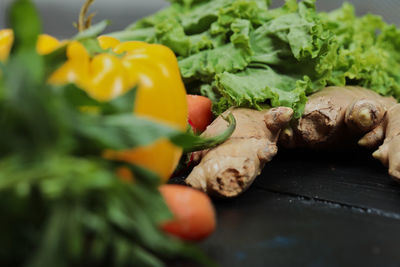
(211, 142)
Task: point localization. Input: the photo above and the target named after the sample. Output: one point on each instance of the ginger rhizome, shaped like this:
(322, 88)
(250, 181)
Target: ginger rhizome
(230, 168)
(389, 152)
(333, 117)
(342, 115)
(338, 116)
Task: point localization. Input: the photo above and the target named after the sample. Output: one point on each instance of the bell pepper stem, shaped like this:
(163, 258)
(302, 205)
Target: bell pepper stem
(85, 21)
(206, 143)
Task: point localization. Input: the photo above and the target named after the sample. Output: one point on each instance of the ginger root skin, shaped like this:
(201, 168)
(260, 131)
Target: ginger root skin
(338, 116)
(389, 152)
(230, 168)
(374, 138)
(334, 117)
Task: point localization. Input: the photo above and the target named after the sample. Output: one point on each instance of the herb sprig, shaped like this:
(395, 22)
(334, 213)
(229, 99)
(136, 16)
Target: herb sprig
(61, 203)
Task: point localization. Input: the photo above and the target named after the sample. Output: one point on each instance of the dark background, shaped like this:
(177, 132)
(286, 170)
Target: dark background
(307, 208)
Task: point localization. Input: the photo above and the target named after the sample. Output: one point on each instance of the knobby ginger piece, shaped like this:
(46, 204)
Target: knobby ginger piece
(389, 152)
(230, 168)
(336, 115)
(375, 137)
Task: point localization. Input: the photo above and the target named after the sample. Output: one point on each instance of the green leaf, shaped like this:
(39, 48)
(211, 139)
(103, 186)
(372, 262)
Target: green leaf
(25, 22)
(79, 98)
(226, 41)
(256, 86)
(205, 64)
(121, 104)
(55, 59)
(172, 34)
(122, 131)
(197, 144)
(62, 204)
(75, 96)
(142, 176)
(93, 47)
(93, 31)
(145, 35)
(143, 258)
(125, 131)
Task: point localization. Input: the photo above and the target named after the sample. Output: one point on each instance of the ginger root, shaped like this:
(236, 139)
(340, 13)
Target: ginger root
(230, 168)
(389, 152)
(338, 115)
(334, 116)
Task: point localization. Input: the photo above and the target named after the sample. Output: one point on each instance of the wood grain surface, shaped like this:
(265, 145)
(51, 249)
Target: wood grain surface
(312, 209)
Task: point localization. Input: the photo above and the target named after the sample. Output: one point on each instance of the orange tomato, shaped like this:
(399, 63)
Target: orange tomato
(199, 112)
(194, 214)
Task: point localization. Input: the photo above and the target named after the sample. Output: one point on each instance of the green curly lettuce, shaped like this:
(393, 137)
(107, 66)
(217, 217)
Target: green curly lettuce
(242, 53)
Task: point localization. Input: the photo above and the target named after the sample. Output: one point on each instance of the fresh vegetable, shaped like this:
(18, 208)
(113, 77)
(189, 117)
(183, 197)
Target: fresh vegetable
(62, 203)
(194, 214)
(76, 68)
(47, 44)
(243, 53)
(338, 116)
(230, 168)
(388, 153)
(333, 117)
(160, 93)
(199, 112)
(151, 69)
(6, 40)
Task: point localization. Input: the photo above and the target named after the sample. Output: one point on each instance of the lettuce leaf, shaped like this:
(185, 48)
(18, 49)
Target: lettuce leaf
(253, 86)
(368, 51)
(242, 53)
(206, 64)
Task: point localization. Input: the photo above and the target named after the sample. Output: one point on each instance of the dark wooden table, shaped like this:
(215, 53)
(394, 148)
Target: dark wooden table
(312, 209)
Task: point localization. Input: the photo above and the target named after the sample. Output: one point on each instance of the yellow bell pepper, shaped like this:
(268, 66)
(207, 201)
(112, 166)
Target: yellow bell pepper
(45, 44)
(160, 91)
(152, 68)
(107, 42)
(6, 41)
(161, 95)
(75, 69)
(109, 78)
